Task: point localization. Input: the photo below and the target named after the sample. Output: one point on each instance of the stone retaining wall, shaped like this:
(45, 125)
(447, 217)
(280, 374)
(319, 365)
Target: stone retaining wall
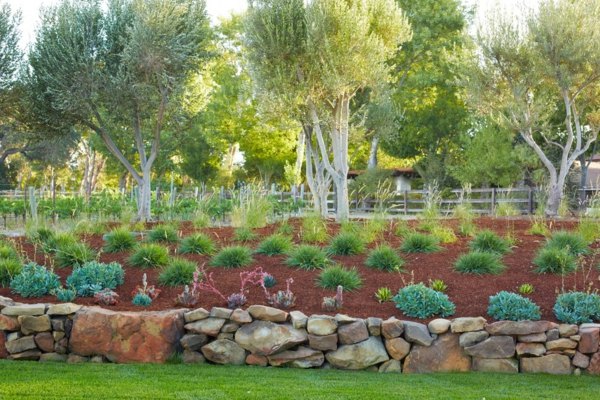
(265, 336)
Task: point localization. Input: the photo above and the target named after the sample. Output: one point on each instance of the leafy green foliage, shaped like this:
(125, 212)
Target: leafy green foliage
(335, 275)
(419, 301)
(314, 229)
(177, 272)
(65, 295)
(244, 235)
(402, 229)
(269, 281)
(438, 285)
(9, 268)
(384, 294)
(94, 276)
(444, 234)
(72, 254)
(574, 243)
(419, 243)
(59, 240)
(487, 241)
(512, 307)
(275, 244)
(119, 239)
(149, 256)
(555, 260)
(198, 243)
(385, 258)
(526, 288)
(577, 307)
(163, 234)
(479, 262)
(141, 300)
(589, 230)
(307, 257)
(345, 244)
(232, 257)
(34, 281)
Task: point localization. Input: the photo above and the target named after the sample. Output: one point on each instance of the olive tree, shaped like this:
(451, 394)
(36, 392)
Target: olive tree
(314, 56)
(535, 71)
(120, 68)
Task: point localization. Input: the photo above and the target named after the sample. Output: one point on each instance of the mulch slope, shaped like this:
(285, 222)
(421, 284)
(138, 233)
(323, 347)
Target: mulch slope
(470, 293)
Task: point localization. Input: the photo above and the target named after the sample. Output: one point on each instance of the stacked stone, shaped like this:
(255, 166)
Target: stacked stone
(36, 331)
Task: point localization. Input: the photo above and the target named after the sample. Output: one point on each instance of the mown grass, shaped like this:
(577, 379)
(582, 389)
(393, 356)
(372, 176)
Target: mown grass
(31, 380)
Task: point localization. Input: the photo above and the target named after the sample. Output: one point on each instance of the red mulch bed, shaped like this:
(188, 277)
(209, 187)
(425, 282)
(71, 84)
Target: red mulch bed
(470, 293)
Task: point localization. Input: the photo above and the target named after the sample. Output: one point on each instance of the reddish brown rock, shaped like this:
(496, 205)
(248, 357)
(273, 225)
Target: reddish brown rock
(126, 336)
(594, 367)
(255, 359)
(324, 343)
(581, 360)
(354, 332)
(444, 355)
(392, 328)
(588, 343)
(9, 323)
(397, 348)
(45, 342)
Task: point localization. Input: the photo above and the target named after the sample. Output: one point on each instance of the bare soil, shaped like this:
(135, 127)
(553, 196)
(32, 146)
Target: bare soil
(469, 292)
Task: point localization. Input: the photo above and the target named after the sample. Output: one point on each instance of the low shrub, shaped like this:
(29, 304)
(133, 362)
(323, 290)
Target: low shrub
(438, 285)
(384, 258)
(57, 241)
(285, 228)
(487, 241)
(573, 242)
(86, 227)
(119, 239)
(65, 295)
(307, 257)
(373, 229)
(141, 300)
(589, 230)
(34, 281)
(479, 262)
(275, 244)
(9, 268)
(232, 257)
(512, 307)
(244, 235)
(40, 235)
(419, 301)
(198, 243)
(402, 229)
(201, 220)
(149, 256)
(72, 254)
(178, 272)
(94, 276)
(419, 243)
(555, 260)
(336, 275)
(384, 294)
(345, 244)
(163, 234)
(577, 307)
(444, 234)
(314, 229)
(8, 251)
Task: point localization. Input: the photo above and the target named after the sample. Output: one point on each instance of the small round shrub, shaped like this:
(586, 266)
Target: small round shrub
(163, 234)
(479, 262)
(70, 255)
(269, 281)
(444, 234)
(34, 281)
(512, 307)
(345, 244)
(198, 243)
(9, 268)
(487, 241)
(274, 245)
(149, 256)
(307, 257)
(141, 300)
(573, 242)
(232, 257)
(577, 307)
(119, 239)
(94, 276)
(419, 243)
(244, 235)
(384, 258)
(65, 295)
(178, 272)
(555, 260)
(7, 251)
(333, 276)
(419, 301)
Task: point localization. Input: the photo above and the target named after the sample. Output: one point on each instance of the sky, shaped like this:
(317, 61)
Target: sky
(216, 8)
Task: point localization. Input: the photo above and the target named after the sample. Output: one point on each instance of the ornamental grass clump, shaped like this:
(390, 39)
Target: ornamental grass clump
(178, 272)
(307, 257)
(345, 244)
(419, 301)
(512, 307)
(73, 254)
(574, 243)
(232, 257)
(419, 243)
(336, 275)
(92, 277)
(479, 262)
(163, 234)
(577, 307)
(149, 256)
(274, 245)
(120, 239)
(555, 260)
(198, 243)
(384, 258)
(314, 229)
(9, 268)
(244, 235)
(34, 281)
(487, 241)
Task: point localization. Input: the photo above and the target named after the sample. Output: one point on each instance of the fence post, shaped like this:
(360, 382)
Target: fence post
(493, 206)
(530, 200)
(405, 202)
(32, 203)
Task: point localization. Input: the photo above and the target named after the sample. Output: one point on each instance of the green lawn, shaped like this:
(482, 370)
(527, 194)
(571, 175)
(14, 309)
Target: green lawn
(31, 380)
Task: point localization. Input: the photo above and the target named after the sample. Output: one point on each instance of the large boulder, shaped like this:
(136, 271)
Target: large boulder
(594, 365)
(30, 324)
(468, 339)
(266, 338)
(266, 313)
(125, 337)
(358, 356)
(223, 351)
(210, 326)
(443, 355)
(354, 332)
(323, 343)
(392, 328)
(298, 319)
(439, 326)
(530, 349)
(397, 348)
(520, 327)
(503, 365)
(552, 364)
(590, 338)
(9, 323)
(24, 309)
(415, 332)
(493, 347)
(321, 325)
(467, 324)
(21, 345)
(303, 357)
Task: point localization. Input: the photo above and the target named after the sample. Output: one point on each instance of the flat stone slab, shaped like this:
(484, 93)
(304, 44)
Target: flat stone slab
(266, 338)
(555, 364)
(467, 324)
(493, 347)
(497, 365)
(24, 309)
(519, 327)
(63, 309)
